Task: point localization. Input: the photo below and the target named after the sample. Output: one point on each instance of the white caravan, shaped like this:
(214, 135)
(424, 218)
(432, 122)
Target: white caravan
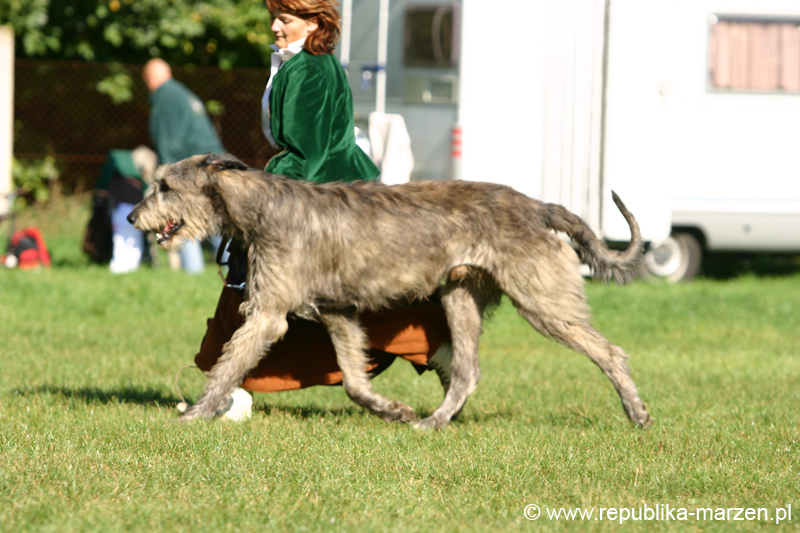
(686, 108)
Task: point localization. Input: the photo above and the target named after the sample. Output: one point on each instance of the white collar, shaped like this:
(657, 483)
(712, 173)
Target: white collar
(284, 54)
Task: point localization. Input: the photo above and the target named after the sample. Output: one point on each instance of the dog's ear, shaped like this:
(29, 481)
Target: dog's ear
(217, 162)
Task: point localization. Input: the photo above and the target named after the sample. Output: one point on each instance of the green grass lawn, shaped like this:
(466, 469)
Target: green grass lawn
(86, 394)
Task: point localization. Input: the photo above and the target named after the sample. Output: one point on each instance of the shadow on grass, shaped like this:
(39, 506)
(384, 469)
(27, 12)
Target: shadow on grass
(566, 418)
(148, 396)
(557, 419)
(91, 395)
(569, 417)
(309, 412)
(732, 265)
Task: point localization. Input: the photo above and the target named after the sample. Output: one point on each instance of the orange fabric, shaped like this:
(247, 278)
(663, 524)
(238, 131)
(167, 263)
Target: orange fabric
(305, 356)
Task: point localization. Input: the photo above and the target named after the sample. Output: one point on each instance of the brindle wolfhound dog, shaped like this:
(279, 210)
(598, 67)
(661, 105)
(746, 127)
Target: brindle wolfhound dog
(328, 251)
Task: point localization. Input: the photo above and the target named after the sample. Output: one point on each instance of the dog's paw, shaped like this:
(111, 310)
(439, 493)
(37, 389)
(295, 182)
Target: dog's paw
(637, 413)
(400, 412)
(644, 421)
(430, 423)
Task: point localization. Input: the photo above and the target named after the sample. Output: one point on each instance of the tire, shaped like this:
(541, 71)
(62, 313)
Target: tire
(675, 259)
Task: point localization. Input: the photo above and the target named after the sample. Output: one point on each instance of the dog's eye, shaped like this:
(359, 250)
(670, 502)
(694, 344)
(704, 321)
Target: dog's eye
(163, 187)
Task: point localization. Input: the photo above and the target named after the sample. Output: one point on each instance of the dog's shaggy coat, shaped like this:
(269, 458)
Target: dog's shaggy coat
(328, 251)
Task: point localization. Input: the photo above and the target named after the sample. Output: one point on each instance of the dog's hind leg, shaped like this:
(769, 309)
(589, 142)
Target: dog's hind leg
(611, 359)
(248, 345)
(350, 343)
(464, 303)
(553, 302)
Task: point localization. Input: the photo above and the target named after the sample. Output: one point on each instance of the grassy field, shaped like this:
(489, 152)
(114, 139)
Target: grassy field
(86, 393)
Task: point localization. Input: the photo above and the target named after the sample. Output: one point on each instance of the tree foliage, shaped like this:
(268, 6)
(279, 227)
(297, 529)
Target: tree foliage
(32, 180)
(227, 33)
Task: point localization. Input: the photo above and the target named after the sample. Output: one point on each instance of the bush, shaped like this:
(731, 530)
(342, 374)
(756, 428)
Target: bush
(33, 180)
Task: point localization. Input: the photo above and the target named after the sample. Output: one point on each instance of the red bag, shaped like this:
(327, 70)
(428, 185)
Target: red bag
(27, 250)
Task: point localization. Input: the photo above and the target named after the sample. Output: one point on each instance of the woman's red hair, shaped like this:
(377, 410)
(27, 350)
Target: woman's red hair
(323, 39)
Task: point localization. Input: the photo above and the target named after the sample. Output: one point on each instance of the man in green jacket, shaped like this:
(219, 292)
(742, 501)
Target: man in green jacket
(179, 128)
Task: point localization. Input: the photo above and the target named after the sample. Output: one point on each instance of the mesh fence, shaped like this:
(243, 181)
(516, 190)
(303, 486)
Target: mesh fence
(59, 112)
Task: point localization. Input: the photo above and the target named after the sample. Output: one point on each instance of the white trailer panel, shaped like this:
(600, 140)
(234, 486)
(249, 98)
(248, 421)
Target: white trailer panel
(501, 94)
(726, 159)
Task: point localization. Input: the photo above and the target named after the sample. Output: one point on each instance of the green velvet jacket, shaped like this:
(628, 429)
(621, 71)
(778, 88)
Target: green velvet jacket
(311, 116)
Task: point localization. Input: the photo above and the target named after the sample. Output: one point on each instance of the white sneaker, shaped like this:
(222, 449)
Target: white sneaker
(440, 362)
(240, 406)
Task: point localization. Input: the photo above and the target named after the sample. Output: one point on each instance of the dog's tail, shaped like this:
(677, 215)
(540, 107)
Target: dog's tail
(604, 262)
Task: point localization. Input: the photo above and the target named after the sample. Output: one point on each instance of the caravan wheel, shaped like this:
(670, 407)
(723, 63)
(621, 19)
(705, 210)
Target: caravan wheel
(673, 260)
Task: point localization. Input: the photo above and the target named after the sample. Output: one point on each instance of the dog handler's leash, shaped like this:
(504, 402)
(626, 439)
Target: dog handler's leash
(224, 246)
(183, 405)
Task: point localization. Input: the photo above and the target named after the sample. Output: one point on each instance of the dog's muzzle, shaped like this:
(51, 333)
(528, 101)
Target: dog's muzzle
(166, 233)
(169, 230)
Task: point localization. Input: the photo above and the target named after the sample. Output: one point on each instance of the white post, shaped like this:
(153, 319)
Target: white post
(383, 39)
(6, 115)
(347, 19)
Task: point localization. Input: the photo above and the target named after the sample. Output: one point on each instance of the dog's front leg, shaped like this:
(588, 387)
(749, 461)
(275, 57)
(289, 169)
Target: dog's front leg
(464, 303)
(248, 345)
(350, 343)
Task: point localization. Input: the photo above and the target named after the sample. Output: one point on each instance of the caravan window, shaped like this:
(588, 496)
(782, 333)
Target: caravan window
(754, 55)
(431, 36)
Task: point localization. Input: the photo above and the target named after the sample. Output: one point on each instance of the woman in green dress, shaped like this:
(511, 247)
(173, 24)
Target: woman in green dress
(307, 108)
(307, 113)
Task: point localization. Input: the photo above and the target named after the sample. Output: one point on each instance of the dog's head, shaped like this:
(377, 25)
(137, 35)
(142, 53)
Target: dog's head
(185, 201)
